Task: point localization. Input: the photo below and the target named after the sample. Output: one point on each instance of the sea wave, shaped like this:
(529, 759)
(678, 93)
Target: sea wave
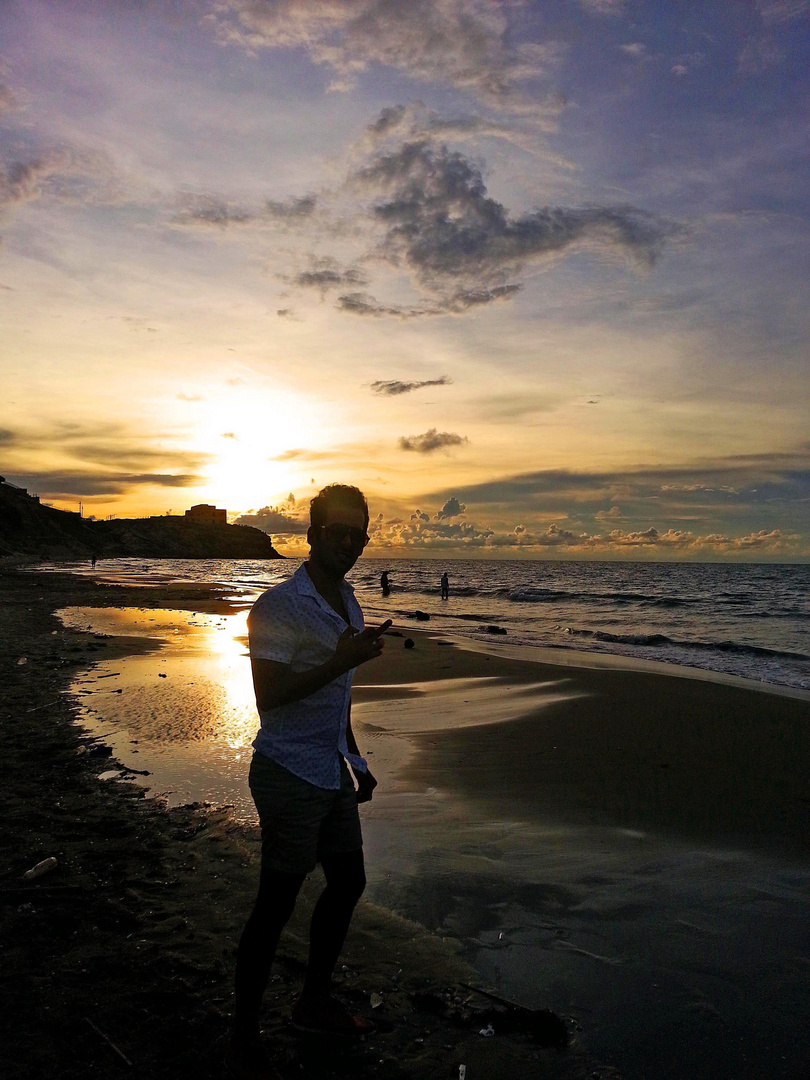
(662, 640)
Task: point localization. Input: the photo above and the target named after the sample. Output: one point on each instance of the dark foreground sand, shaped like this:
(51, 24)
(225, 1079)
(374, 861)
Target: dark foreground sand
(119, 960)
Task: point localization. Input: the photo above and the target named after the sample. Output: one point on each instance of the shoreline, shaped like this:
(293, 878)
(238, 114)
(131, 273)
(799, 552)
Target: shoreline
(673, 649)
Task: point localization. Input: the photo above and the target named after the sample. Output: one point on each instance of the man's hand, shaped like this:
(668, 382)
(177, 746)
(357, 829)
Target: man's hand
(365, 785)
(355, 648)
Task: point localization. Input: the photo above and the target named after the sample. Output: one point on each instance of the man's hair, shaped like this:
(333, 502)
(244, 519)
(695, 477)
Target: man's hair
(336, 495)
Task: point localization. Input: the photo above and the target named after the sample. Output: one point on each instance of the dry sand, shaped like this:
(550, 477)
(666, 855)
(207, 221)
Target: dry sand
(125, 949)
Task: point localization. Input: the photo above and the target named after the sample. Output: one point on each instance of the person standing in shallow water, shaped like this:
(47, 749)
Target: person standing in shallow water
(306, 638)
(385, 584)
(445, 586)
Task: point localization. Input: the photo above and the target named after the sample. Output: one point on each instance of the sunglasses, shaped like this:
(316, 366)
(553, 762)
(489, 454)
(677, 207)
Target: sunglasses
(337, 533)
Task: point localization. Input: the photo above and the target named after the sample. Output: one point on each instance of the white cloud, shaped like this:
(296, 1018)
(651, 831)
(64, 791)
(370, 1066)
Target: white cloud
(463, 43)
(422, 531)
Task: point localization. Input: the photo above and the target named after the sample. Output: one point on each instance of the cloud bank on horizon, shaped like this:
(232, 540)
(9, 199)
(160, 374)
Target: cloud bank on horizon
(253, 246)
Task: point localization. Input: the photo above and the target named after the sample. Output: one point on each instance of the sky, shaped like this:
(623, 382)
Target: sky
(533, 275)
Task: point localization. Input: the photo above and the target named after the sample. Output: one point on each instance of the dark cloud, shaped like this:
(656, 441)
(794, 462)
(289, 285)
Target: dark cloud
(292, 208)
(430, 441)
(459, 302)
(389, 121)
(452, 508)
(70, 485)
(457, 42)
(201, 210)
(393, 387)
(455, 304)
(208, 211)
(362, 304)
(326, 273)
(69, 174)
(22, 181)
(441, 224)
(132, 455)
(767, 476)
(166, 480)
(112, 445)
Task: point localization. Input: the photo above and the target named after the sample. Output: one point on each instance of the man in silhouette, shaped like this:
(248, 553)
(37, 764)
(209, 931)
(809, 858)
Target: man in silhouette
(445, 586)
(306, 638)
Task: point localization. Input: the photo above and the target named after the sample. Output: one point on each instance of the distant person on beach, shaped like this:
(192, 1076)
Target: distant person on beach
(93, 561)
(385, 584)
(306, 638)
(445, 586)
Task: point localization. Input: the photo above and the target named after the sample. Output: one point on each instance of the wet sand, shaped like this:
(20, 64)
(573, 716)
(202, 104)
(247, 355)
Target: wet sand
(627, 847)
(694, 758)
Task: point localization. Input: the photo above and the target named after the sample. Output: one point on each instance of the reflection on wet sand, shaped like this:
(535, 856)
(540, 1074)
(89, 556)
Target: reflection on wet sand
(187, 710)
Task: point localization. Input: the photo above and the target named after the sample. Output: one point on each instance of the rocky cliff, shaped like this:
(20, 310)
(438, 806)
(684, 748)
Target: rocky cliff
(29, 528)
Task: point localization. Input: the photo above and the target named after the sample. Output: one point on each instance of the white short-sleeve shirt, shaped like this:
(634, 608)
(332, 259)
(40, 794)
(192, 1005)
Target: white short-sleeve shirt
(293, 624)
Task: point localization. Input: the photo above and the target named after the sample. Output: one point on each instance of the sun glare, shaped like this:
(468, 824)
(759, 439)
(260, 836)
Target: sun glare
(246, 433)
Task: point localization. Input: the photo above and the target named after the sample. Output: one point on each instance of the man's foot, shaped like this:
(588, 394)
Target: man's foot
(247, 1059)
(325, 1016)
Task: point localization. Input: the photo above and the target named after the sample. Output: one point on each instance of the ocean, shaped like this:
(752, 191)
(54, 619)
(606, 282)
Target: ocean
(747, 620)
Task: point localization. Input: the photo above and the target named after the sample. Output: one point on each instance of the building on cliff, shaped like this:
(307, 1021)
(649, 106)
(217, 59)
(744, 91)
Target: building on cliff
(205, 514)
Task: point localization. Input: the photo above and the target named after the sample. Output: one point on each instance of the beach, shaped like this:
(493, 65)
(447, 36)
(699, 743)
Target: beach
(624, 844)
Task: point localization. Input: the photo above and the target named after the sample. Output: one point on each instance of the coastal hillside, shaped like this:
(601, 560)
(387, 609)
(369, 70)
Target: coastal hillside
(29, 528)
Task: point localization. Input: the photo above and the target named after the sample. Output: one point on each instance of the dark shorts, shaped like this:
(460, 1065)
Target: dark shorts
(301, 822)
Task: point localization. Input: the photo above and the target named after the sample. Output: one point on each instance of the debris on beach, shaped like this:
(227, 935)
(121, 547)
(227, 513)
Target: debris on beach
(487, 1032)
(495, 630)
(39, 869)
(409, 643)
(542, 1026)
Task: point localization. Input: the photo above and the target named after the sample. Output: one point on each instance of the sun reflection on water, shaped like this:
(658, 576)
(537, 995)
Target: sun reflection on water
(185, 706)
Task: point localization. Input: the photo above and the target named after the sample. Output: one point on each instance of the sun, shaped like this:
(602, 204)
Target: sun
(247, 433)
